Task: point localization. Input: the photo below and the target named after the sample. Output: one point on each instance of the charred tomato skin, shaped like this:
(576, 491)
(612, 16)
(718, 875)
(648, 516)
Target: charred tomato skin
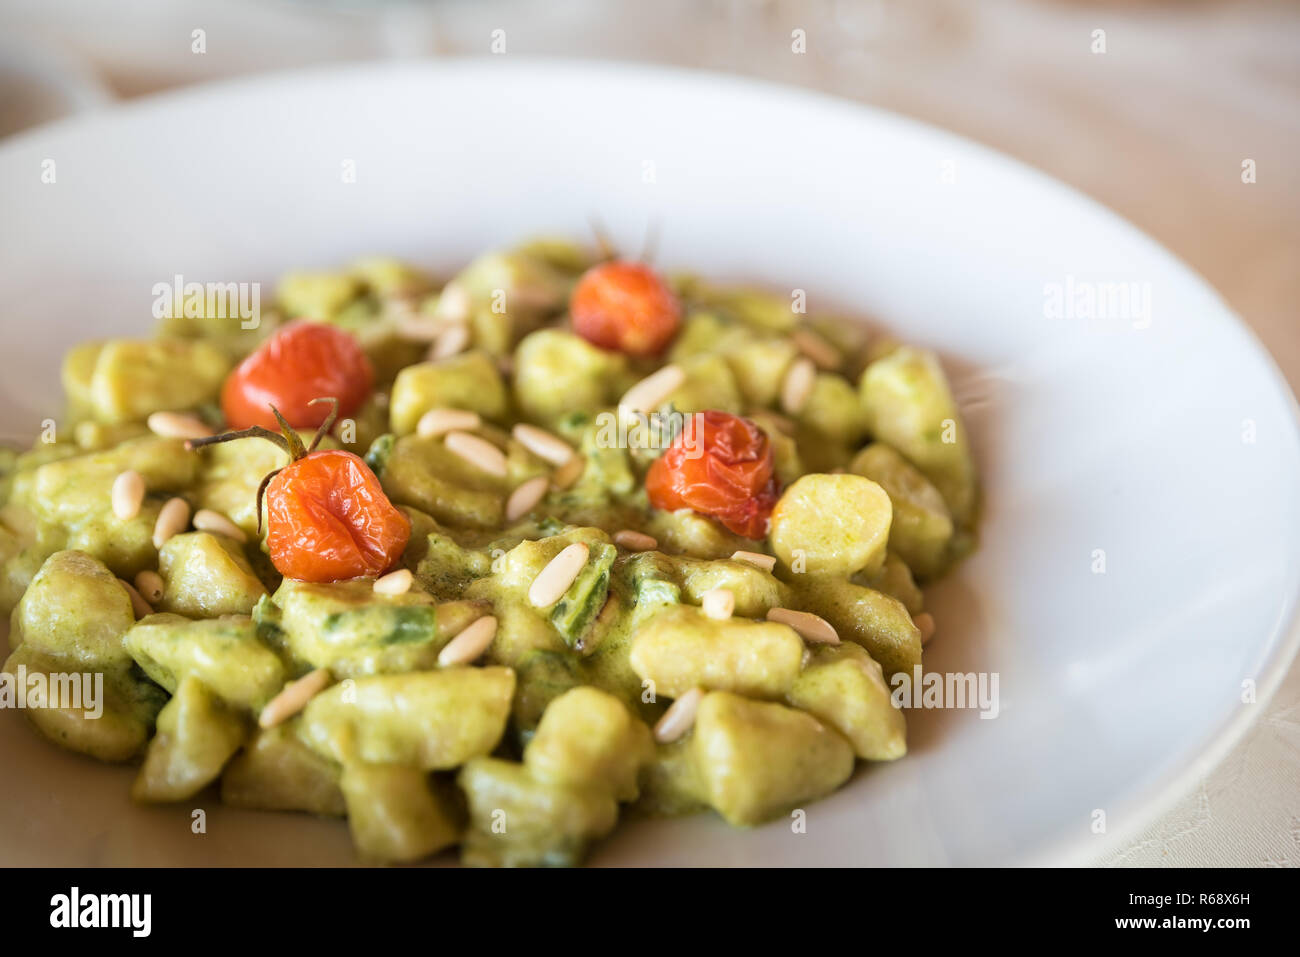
(328, 519)
(721, 465)
(625, 307)
(300, 362)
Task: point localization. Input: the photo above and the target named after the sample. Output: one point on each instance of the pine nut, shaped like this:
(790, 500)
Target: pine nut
(451, 341)
(177, 425)
(412, 326)
(797, 385)
(718, 603)
(150, 585)
(206, 520)
(398, 305)
(478, 452)
(293, 698)
(128, 494)
(554, 580)
(816, 348)
(525, 498)
(758, 560)
(173, 518)
(810, 626)
(453, 303)
(394, 583)
(635, 541)
(543, 444)
(475, 639)
(138, 604)
(680, 717)
(437, 422)
(925, 622)
(569, 472)
(648, 394)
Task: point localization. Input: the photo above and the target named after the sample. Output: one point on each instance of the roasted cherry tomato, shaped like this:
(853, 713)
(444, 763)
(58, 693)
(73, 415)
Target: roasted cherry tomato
(327, 517)
(720, 465)
(298, 363)
(626, 307)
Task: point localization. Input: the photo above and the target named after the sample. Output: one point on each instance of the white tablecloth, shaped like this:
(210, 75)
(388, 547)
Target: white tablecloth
(1157, 127)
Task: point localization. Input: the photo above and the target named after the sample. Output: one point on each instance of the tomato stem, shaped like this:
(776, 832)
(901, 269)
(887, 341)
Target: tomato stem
(253, 432)
(261, 493)
(604, 247)
(293, 443)
(287, 439)
(328, 424)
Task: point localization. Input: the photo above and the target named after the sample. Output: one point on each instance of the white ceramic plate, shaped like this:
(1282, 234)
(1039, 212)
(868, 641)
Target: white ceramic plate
(1169, 444)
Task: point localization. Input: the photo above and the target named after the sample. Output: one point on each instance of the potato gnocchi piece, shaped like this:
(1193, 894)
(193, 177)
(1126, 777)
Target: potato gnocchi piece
(70, 490)
(114, 728)
(877, 622)
(683, 648)
(710, 384)
(510, 293)
(133, 378)
(223, 653)
(229, 474)
(386, 276)
(425, 474)
(844, 688)
(754, 589)
(277, 772)
(760, 367)
(432, 720)
(68, 627)
(350, 629)
(831, 525)
(832, 416)
(785, 447)
(557, 373)
(76, 610)
(196, 736)
(756, 759)
(70, 499)
(397, 814)
(470, 381)
(206, 576)
(671, 784)
(588, 738)
(773, 312)
(316, 295)
(910, 407)
(517, 820)
(691, 533)
(586, 756)
(895, 580)
(446, 567)
(922, 527)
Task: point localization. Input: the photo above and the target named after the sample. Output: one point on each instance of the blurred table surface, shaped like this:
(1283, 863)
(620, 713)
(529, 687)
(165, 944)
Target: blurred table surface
(1157, 127)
